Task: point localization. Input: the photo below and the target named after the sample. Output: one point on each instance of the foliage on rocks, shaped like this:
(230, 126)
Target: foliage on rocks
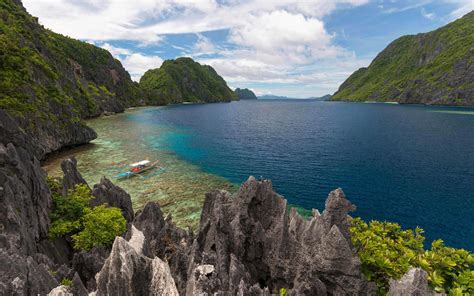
(432, 68)
(387, 251)
(184, 80)
(87, 226)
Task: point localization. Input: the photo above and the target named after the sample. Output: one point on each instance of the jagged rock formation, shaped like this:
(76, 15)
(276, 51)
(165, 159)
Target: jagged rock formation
(128, 272)
(72, 177)
(247, 244)
(107, 193)
(88, 264)
(251, 239)
(165, 241)
(184, 80)
(430, 68)
(50, 82)
(24, 207)
(245, 94)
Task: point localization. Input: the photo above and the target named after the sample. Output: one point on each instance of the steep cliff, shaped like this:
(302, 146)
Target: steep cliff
(49, 82)
(430, 68)
(245, 94)
(184, 80)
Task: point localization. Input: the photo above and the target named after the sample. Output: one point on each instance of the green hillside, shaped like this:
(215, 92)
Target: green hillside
(245, 94)
(430, 68)
(49, 82)
(184, 80)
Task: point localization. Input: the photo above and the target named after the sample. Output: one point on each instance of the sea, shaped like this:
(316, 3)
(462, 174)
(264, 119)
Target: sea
(409, 164)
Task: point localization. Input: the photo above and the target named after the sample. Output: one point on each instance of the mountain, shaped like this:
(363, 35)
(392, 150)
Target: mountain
(275, 97)
(429, 68)
(49, 82)
(245, 94)
(184, 80)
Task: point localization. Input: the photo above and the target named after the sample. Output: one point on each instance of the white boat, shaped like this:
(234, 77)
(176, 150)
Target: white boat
(137, 168)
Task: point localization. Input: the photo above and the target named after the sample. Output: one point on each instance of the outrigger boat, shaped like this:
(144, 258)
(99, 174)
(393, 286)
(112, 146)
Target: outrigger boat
(137, 168)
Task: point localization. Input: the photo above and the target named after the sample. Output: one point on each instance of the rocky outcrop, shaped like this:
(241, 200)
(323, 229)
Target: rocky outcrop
(251, 240)
(50, 82)
(107, 193)
(71, 177)
(128, 272)
(184, 80)
(165, 241)
(88, 263)
(434, 68)
(414, 282)
(245, 94)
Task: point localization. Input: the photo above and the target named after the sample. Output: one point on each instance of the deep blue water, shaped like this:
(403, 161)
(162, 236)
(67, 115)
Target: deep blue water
(406, 164)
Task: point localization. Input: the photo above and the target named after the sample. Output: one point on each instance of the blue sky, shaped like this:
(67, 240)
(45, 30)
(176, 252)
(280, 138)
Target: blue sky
(292, 48)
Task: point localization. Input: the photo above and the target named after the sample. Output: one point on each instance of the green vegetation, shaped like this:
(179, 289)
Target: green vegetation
(52, 78)
(424, 68)
(66, 282)
(386, 251)
(184, 80)
(88, 227)
(282, 292)
(245, 94)
(101, 226)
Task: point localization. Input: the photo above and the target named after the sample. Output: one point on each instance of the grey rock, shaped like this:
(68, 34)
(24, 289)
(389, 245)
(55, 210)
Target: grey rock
(77, 286)
(251, 239)
(107, 193)
(88, 264)
(21, 275)
(414, 283)
(60, 291)
(25, 198)
(72, 177)
(58, 250)
(128, 272)
(165, 241)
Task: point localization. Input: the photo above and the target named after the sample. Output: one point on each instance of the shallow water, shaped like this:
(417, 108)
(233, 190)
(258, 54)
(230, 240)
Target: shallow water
(177, 185)
(410, 164)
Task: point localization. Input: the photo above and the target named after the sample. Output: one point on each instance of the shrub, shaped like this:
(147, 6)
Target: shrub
(386, 251)
(73, 217)
(68, 211)
(448, 268)
(101, 226)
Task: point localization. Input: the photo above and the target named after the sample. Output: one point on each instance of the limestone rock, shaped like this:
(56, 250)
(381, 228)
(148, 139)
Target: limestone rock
(251, 239)
(72, 177)
(20, 275)
(127, 272)
(88, 263)
(77, 286)
(60, 291)
(165, 241)
(414, 282)
(108, 193)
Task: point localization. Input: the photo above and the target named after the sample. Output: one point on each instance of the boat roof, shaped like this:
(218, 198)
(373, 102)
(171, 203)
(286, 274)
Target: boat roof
(143, 162)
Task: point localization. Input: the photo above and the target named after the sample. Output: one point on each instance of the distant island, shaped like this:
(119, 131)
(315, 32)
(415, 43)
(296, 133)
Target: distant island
(434, 68)
(245, 94)
(184, 80)
(275, 97)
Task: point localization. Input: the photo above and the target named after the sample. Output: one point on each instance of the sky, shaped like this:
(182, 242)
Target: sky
(292, 48)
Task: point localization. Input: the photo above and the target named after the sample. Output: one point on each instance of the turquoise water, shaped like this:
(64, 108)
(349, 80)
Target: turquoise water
(410, 164)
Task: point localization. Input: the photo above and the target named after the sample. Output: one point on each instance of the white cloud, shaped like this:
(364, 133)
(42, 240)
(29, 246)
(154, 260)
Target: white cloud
(463, 7)
(146, 20)
(425, 14)
(203, 46)
(115, 51)
(137, 64)
(272, 41)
